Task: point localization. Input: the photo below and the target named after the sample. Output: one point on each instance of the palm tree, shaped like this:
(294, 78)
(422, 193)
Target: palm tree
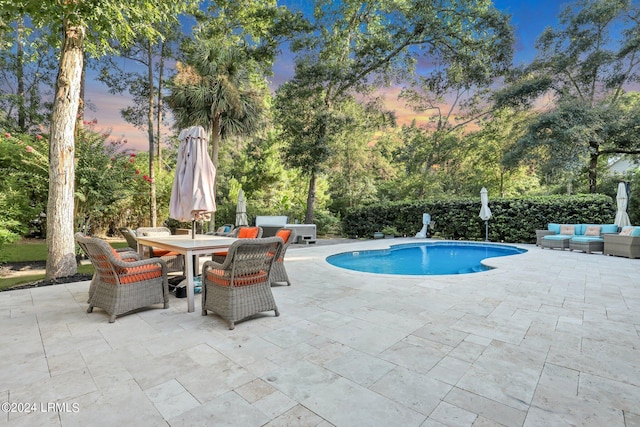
(213, 88)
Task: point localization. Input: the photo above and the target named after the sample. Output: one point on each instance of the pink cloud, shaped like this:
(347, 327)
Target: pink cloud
(106, 110)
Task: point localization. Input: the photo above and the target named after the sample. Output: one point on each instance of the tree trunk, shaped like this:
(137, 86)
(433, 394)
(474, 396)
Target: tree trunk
(83, 80)
(159, 101)
(215, 150)
(61, 260)
(593, 171)
(311, 197)
(152, 187)
(22, 113)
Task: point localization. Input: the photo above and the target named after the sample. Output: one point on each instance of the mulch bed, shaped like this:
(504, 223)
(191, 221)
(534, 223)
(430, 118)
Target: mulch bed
(6, 270)
(50, 282)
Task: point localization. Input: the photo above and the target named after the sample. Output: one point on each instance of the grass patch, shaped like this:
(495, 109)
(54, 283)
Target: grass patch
(27, 250)
(24, 250)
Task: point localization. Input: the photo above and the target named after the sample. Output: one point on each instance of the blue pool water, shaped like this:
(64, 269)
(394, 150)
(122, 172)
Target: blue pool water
(425, 258)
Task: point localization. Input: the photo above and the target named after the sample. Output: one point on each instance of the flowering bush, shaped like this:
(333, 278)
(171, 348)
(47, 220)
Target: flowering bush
(23, 185)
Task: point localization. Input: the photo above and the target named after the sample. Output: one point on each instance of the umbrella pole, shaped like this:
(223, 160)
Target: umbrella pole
(486, 231)
(195, 257)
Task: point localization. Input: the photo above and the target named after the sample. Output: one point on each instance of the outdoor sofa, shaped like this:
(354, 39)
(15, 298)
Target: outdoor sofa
(583, 237)
(626, 244)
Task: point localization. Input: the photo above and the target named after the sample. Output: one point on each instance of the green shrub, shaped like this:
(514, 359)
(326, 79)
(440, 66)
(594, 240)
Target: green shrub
(513, 220)
(326, 223)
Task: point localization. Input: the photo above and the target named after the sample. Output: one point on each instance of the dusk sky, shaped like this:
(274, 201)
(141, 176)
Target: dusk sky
(528, 17)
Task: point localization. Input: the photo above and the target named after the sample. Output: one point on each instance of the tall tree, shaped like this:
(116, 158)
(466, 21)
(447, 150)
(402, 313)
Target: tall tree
(213, 88)
(303, 119)
(584, 65)
(359, 45)
(256, 27)
(221, 85)
(26, 70)
(84, 26)
(146, 88)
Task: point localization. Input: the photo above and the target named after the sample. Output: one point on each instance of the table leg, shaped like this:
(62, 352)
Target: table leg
(190, 295)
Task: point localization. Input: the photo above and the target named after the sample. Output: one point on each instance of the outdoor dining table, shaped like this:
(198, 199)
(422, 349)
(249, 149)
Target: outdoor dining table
(188, 246)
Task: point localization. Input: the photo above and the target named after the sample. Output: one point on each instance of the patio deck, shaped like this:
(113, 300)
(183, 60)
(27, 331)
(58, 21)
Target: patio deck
(549, 338)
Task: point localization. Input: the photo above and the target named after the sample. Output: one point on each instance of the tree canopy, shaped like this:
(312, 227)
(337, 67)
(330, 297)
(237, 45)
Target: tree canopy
(357, 46)
(585, 66)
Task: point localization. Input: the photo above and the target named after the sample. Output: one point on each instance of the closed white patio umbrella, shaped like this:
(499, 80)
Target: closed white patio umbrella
(622, 218)
(192, 196)
(485, 212)
(241, 210)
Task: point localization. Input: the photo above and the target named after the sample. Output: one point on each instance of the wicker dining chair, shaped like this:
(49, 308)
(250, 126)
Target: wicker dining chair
(241, 232)
(130, 236)
(122, 285)
(239, 287)
(278, 272)
(174, 260)
(126, 254)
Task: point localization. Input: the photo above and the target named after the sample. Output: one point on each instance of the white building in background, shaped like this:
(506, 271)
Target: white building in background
(623, 164)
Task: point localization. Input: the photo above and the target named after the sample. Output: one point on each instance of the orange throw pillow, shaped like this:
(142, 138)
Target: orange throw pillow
(284, 234)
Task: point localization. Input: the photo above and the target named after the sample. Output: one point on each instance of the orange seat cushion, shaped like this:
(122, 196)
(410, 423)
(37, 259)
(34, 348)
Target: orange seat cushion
(216, 276)
(248, 233)
(128, 274)
(139, 274)
(135, 274)
(163, 252)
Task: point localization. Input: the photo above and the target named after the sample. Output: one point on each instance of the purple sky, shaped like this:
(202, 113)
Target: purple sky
(529, 19)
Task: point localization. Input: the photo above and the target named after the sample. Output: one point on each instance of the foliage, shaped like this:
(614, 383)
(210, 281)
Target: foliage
(257, 27)
(356, 152)
(99, 180)
(111, 188)
(390, 230)
(513, 220)
(80, 27)
(327, 223)
(585, 64)
(610, 187)
(213, 89)
(27, 71)
(358, 46)
(255, 165)
(23, 184)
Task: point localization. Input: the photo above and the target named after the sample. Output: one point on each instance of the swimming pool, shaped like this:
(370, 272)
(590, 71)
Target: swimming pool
(424, 258)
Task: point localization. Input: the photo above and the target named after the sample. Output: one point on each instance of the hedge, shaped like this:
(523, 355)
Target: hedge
(513, 220)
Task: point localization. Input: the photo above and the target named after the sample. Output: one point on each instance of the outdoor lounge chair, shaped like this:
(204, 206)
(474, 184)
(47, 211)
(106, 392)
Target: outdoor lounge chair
(624, 245)
(174, 260)
(240, 233)
(240, 287)
(225, 230)
(278, 272)
(122, 285)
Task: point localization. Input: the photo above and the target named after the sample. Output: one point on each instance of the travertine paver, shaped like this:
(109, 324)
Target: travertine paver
(547, 338)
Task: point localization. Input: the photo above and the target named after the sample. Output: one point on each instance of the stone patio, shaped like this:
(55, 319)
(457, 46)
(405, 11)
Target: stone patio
(548, 338)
